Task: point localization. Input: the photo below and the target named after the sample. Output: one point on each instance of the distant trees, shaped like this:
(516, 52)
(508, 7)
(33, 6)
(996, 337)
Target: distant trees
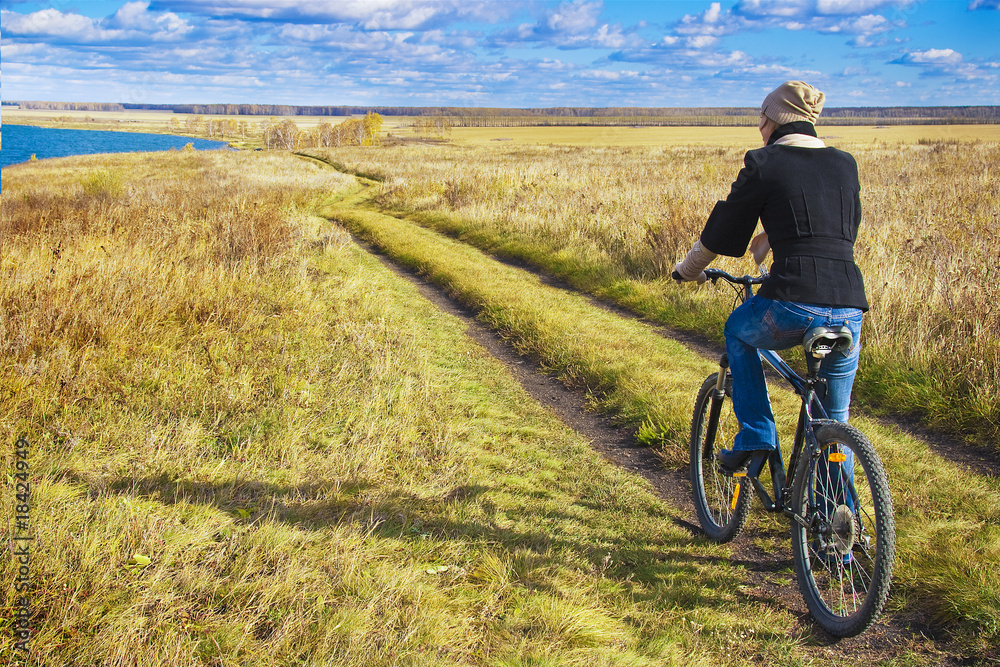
(352, 132)
(283, 134)
(194, 124)
(222, 128)
(434, 125)
(71, 106)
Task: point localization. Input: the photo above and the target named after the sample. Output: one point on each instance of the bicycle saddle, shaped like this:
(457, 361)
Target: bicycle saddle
(821, 341)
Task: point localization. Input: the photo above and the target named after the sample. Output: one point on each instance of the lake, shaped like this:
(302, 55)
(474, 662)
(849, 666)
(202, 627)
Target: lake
(20, 142)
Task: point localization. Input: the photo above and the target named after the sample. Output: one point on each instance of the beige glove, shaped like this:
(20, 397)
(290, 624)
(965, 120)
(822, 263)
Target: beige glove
(693, 266)
(759, 247)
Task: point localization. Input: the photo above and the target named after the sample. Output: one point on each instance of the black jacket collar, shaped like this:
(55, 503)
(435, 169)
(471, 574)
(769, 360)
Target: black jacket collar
(798, 127)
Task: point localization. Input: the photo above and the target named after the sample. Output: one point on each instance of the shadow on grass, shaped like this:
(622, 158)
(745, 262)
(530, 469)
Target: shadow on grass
(665, 568)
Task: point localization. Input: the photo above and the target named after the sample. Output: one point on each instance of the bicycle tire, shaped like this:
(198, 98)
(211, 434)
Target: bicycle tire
(712, 489)
(844, 555)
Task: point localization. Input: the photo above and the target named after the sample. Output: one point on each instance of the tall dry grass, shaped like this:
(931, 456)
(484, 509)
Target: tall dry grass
(928, 245)
(103, 255)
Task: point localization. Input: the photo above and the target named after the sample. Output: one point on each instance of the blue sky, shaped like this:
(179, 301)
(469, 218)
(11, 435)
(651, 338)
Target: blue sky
(506, 54)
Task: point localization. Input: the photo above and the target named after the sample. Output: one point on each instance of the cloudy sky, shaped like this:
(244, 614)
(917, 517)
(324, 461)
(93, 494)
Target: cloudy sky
(507, 53)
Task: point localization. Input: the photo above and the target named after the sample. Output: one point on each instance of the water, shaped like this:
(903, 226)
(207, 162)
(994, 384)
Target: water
(20, 142)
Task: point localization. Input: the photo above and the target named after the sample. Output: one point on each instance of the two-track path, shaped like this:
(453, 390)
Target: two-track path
(896, 635)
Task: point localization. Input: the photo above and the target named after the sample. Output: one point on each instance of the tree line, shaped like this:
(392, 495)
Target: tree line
(513, 117)
(352, 132)
(283, 133)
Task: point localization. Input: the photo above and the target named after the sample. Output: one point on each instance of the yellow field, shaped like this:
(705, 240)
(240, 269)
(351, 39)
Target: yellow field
(156, 121)
(686, 136)
(252, 444)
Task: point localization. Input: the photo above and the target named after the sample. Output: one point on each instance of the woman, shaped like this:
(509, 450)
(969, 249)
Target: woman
(807, 198)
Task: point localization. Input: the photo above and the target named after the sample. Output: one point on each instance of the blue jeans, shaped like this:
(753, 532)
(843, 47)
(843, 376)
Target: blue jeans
(762, 323)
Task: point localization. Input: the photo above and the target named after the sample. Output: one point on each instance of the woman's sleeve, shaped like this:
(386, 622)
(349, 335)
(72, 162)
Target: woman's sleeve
(733, 221)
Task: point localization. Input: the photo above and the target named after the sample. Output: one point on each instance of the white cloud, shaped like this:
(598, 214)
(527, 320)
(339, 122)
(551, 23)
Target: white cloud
(933, 57)
(611, 37)
(772, 8)
(574, 17)
(811, 8)
(132, 22)
(16, 52)
(607, 75)
(867, 24)
(731, 59)
(710, 22)
(713, 13)
(950, 64)
(367, 14)
(701, 41)
(136, 16)
(780, 72)
(51, 23)
(854, 7)
(570, 25)
(847, 17)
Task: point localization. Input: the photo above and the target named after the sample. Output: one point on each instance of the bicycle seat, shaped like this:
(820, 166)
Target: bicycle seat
(821, 341)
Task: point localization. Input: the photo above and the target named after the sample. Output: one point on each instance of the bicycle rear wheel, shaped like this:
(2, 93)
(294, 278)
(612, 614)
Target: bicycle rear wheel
(844, 554)
(722, 502)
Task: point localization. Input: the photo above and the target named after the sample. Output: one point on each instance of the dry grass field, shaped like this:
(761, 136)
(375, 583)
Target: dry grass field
(714, 136)
(252, 444)
(607, 215)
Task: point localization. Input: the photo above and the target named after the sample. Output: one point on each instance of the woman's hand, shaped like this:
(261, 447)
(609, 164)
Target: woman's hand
(759, 247)
(693, 266)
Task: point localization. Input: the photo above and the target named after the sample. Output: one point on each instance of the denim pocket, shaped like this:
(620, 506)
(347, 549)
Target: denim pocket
(787, 324)
(853, 322)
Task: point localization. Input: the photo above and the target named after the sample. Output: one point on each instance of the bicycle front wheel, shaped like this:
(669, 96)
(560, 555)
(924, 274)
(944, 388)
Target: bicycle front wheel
(721, 501)
(844, 553)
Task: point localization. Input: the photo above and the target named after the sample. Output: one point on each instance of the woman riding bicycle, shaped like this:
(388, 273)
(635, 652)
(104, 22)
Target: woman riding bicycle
(807, 197)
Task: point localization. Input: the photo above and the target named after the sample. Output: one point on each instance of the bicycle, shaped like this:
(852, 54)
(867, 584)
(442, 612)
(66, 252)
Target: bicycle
(835, 490)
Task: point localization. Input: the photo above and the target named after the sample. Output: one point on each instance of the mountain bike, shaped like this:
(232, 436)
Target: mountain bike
(834, 491)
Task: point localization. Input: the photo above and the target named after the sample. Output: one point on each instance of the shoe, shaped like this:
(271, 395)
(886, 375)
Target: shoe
(737, 459)
(732, 459)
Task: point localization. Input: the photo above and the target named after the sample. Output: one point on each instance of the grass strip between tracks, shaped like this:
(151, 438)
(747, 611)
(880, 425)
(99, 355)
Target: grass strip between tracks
(948, 520)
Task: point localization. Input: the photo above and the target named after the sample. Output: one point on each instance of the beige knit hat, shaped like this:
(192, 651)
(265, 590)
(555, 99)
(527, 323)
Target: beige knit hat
(793, 101)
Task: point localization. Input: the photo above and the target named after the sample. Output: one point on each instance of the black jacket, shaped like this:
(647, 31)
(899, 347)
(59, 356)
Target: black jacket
(808, 200)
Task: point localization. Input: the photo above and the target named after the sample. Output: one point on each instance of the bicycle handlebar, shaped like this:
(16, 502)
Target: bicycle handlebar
(715, 274)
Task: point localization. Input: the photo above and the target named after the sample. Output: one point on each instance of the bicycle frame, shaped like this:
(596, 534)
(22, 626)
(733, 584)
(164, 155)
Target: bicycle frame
(781, 481)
